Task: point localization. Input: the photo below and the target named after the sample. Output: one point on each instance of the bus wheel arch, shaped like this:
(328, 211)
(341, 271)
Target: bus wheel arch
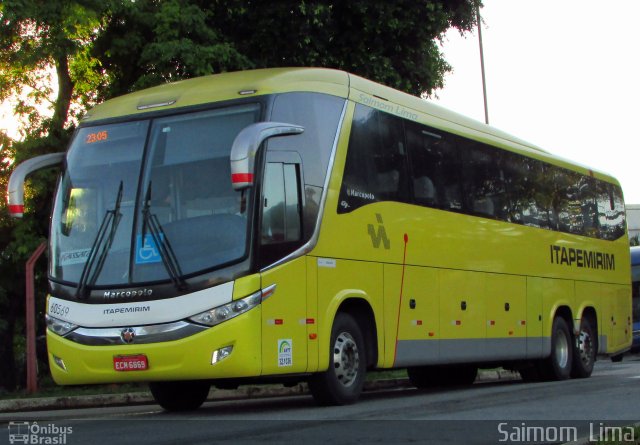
(352, 350)
(362, 312)
(586, 344)
(342, 382)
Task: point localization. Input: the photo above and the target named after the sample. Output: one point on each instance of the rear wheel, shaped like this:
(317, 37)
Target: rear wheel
(584, 354)
(558, 366)
(342, 383)
(181, 395)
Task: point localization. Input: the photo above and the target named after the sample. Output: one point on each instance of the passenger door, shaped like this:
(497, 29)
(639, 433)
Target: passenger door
(284, 312)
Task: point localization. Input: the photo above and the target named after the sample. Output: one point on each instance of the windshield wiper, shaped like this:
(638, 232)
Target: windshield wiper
(103, 243)
(168, 256)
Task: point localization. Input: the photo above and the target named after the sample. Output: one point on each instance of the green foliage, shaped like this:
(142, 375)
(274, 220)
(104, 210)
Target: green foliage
(37, 37)
(148, 42)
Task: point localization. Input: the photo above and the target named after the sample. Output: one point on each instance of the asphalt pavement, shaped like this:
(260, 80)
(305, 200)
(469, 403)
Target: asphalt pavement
(243, 392)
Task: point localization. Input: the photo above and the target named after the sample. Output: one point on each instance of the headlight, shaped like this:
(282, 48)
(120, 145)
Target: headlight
(228, 311)
(59, 327)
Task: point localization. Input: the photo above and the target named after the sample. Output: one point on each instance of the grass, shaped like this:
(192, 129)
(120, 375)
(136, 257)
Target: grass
(387, 374)
(47, 388)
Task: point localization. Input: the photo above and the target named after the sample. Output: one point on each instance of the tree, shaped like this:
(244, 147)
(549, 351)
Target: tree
(37, 37)
(148, 42)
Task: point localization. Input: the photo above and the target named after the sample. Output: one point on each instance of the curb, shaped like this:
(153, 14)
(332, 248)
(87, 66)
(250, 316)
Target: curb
(242, 393)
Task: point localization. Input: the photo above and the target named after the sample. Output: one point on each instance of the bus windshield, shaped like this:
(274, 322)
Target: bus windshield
(118, 220)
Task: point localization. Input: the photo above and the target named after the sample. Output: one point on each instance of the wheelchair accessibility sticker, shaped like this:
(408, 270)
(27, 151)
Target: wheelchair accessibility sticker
(147, 252)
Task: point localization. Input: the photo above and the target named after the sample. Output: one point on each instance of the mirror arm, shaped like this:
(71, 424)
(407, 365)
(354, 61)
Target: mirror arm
(246, 144)
(15, 195)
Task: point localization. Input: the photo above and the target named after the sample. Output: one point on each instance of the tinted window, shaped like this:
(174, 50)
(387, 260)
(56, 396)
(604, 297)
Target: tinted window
(483, 180)
(376, 165)
(435, 168)
(281, 218)
(611, 212)
(319, 115)
(453, 173)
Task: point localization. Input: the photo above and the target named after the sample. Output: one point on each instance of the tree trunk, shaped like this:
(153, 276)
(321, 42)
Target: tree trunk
(63, 101)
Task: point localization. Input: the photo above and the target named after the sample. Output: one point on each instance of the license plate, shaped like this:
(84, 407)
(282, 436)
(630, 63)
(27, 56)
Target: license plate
(130, 363)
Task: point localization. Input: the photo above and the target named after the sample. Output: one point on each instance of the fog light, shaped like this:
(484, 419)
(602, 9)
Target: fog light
(221, 354)
(58, 361)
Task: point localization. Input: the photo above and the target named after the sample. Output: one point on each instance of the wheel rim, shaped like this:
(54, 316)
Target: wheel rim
(562, 350)
(346, 359)
(585, 347)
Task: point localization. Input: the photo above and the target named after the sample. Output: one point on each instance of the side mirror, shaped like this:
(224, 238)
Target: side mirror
(15, 195)
(246, 144)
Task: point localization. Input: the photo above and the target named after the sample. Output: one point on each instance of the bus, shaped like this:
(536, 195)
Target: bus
(309, 225)
(635, 293)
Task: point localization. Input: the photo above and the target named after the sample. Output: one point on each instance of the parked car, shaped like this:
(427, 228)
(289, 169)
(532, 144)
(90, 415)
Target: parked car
(635, 283)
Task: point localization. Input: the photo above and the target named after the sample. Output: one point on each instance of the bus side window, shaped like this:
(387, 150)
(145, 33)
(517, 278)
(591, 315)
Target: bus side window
(376, 166)
(281, 229)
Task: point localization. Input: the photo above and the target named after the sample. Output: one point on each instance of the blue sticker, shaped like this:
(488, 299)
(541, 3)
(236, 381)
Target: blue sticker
(147, 253)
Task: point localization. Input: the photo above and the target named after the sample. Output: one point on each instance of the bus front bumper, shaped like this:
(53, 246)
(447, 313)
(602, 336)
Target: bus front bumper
(200, 356)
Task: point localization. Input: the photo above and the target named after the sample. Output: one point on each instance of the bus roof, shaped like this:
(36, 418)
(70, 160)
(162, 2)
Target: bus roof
(234, 85)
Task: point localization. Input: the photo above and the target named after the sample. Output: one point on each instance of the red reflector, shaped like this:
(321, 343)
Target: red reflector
(16, 209)
(458, 322)
(313, 336)
(492, 323)
(241, 177)
(311, 321)
(419, 322)
(130, 362)
(279, 321)
(431, 334)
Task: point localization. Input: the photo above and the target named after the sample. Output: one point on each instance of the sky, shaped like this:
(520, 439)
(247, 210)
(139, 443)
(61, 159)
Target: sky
(561, 74)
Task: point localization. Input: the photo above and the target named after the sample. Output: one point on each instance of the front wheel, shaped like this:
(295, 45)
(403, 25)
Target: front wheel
(584, 354)
(342, 383)
(181, 395)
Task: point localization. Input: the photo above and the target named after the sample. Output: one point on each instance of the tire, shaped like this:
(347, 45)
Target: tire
(181, 395)
(585, 349)
(559, 364)
(342, 382)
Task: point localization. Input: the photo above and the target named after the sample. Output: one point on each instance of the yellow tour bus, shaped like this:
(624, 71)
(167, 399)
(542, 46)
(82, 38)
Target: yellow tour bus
(288, 225)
